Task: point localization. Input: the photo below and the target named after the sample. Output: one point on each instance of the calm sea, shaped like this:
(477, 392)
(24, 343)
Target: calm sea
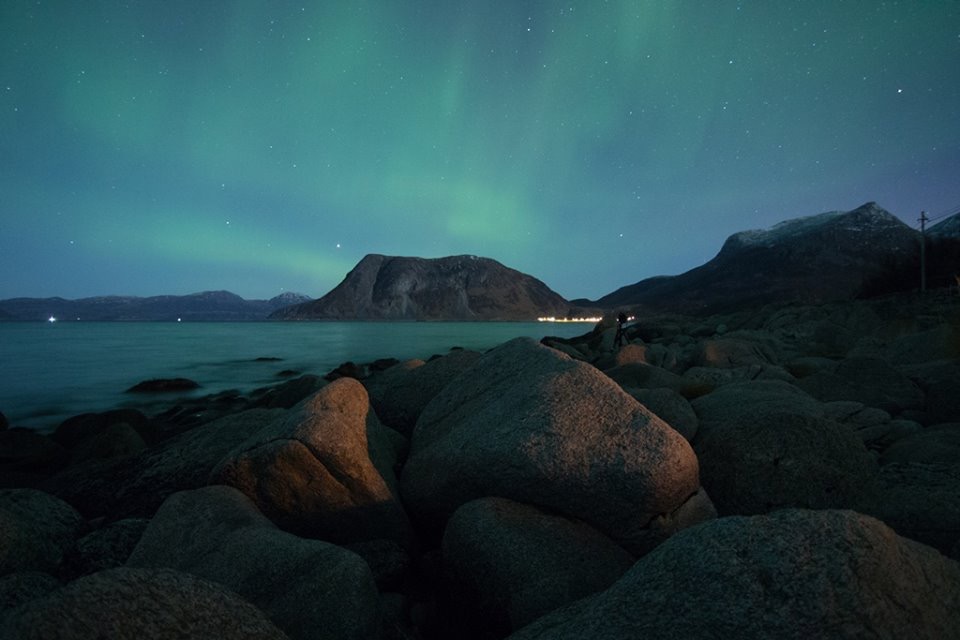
(51, 371)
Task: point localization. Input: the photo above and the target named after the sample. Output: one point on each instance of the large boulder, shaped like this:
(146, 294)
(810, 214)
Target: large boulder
(313, 473)
(738, 401)
(765, 463)
(669, 406)
(938, 444)
(36, 529)
(147, 604)
(511, 563)
(732, 353)
(135, 486)
(24, 586)
(920, 501)
(528, 423)
(793, 574)
(870, 380)
(103, 548)
(309, 588)
(400, 393)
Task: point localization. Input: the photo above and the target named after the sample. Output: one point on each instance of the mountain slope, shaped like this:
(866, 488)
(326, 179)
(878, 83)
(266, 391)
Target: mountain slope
(453, 288)
(813, 259)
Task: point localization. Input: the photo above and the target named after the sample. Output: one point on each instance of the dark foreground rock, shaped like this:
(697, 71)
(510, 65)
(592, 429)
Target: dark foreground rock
(309, 588)
(146, 604)
(164, 385)
(793, 574)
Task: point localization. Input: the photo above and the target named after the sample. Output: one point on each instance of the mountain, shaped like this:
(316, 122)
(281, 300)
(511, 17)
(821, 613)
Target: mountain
(219, 306)
(453, 288)
(830, 256)
(949, 228)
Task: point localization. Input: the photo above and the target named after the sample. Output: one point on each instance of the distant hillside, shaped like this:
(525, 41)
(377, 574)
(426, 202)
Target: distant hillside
(830, 256)
(949, 228)
(220, 306)
(453, 288)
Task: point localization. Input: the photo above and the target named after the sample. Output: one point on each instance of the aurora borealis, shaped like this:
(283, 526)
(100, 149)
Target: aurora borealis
(170, 147)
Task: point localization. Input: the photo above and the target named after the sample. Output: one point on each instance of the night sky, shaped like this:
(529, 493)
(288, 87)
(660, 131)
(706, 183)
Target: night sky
(169, 147)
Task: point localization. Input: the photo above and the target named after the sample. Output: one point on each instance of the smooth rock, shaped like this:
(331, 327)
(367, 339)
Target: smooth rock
(399, 394)
(791, 575)
(309, 588)
(511, 563)
(669, 406)
(104, 548)
(146, 604)
(760, 464)
(739, 401)
(36, 529)
(312, 473)
(938, 444)
(528, 423)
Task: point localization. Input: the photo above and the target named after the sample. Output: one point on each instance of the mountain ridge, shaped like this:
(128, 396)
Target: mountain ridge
(203, 306)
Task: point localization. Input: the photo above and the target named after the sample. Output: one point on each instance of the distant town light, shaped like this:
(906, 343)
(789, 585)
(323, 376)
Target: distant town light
(51, 319)
(554, 319)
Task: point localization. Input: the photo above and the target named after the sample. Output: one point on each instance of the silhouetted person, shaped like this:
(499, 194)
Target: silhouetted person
(621, 335)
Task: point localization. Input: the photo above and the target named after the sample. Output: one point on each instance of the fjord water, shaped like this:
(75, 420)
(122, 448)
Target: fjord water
(54, 370)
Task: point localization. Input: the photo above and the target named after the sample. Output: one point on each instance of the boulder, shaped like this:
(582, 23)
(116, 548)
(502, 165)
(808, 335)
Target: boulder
(400, 393)
(732, 353)
(920, 501)
(26, 457)
(528, 423)
(147, 604)
(72, 431)
(735, 402)
(669, 406)
(939, 444)
(309, 588)
(103, 548)
(136, 486)
(19, 588)
(36, 529)
(288, 394)
(872, 381)
(511, 563)
(313, 474)
(164, 385)
(716, 376)
(773, 461)
(116, 440)
(638, 375)
(793, 574)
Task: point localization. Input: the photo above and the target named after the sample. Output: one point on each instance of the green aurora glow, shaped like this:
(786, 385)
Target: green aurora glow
(169, 147)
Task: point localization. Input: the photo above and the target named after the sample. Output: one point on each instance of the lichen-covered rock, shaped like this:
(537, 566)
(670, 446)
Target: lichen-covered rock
(511, 563)
(147, 604)
(309, 588)
(528, 423)
(313, 474)
(765, 463)
(36, 529)
(793, 574)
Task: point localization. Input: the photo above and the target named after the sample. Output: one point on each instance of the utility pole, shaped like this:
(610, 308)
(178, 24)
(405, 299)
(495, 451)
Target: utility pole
(923, 251)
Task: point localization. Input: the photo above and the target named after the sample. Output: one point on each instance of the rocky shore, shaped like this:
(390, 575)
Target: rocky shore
(784, 472)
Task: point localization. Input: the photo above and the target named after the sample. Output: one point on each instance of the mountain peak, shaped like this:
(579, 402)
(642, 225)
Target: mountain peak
(461, 287)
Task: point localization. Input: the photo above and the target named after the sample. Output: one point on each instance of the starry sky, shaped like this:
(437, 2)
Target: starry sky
(173, 146)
